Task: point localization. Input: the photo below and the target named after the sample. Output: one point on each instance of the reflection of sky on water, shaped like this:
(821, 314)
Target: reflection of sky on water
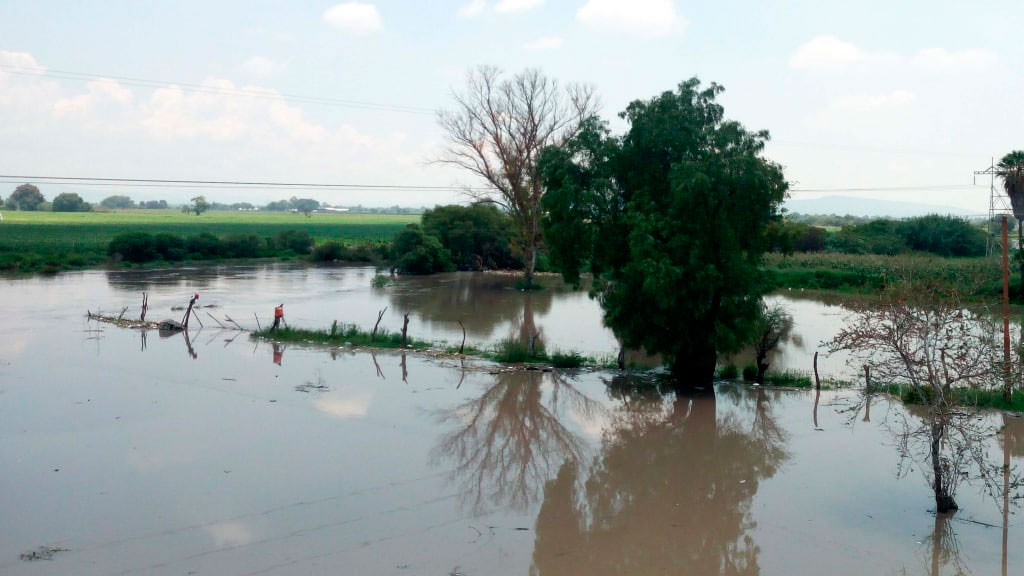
(144, 460)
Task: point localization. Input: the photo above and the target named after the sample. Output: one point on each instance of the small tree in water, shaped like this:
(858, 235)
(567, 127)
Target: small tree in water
(923, 339)
(770, 327)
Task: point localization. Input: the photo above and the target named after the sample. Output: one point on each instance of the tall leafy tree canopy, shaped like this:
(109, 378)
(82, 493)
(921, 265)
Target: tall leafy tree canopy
(670, 217)
(70, 202)
(26, 197)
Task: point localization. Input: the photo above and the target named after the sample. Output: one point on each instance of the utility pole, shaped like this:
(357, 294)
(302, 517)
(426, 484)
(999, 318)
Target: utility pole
(1007, 382)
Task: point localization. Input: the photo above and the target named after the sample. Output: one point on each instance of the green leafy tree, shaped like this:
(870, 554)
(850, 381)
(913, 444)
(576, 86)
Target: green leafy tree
(305, 205)
(117, 202)
(198, 205)
(70, 202)
(26, 197)
(1011, 170)
(671, 219)
(496, 131)
(416, 252)
(942, 235)
(479, 236)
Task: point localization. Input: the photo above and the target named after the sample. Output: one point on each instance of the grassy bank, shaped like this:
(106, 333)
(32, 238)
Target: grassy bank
(986, 399)
(869, 274)
(51, 241)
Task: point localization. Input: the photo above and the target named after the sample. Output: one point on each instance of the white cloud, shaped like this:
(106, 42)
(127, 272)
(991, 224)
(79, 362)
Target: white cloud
(344, 408)
(260, 66)
(472, 9)
(22, 60)
(506, 6)
(354, 17)
(544, 43)
(940, 59)
(825, 52)
(643, 17)
(864, 102)
(229, 534)
(174, 113)
(100, 92)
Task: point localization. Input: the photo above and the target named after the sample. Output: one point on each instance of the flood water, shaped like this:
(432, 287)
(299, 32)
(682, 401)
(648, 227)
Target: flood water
(125, 453)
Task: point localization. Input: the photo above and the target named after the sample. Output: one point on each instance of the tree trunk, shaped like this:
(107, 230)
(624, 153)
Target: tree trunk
(531, 262)
(944, 502)
(762, 368)
(694, 370)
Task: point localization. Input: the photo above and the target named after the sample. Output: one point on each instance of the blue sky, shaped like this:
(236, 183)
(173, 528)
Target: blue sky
(856, 95)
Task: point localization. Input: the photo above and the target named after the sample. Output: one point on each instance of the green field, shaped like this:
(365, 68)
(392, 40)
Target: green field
(33, 241)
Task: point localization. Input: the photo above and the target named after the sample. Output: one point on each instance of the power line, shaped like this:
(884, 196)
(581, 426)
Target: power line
(156, 182)
(244, 184)
(200, 88)
(939, 187)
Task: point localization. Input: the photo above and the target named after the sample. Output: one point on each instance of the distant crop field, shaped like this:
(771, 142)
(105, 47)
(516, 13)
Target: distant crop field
(29, 240)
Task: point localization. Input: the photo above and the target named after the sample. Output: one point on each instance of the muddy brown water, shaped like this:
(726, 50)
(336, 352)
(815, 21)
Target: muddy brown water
(131, 454)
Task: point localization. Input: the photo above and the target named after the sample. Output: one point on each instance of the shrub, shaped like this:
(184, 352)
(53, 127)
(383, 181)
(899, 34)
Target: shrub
(204, 245)
(329, 252)
(417, 252)
(942, 235)
(877, 237)
(730, 372)
(133, 247)
(380, 281)
(567, 360)
(242, 246)
(793, 378)
(169, 246)
(298, 241)
(513, 351)
(750, 373)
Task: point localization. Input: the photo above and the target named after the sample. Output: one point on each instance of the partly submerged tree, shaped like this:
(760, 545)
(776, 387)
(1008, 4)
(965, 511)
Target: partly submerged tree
(671, 220)
(769, 328)
(478, 236)
(921, 337)
(26, 197)
(497, 130)
(1011, 170)
(416, 252)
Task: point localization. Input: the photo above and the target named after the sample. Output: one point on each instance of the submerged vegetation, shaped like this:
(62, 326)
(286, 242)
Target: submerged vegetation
(342, 335)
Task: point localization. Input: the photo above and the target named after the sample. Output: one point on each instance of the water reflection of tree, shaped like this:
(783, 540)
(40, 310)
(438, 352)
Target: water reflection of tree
(510, 440)
(940, 554)
(671, 492)
(482, 301)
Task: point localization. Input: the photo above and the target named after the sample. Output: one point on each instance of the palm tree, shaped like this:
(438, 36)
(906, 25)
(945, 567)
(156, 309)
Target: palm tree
(1011, 170)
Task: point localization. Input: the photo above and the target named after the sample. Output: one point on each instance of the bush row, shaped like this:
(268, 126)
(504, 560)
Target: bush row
(139, 247)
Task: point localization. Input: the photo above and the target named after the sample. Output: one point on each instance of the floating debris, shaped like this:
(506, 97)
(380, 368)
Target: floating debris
(41, 553)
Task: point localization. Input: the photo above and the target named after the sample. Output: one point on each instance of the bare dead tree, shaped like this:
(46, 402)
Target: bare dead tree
(380, 315)
(922, 338)
(496, 130)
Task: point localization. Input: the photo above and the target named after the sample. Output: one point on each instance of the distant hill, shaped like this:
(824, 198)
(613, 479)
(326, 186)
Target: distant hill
(842, 205)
